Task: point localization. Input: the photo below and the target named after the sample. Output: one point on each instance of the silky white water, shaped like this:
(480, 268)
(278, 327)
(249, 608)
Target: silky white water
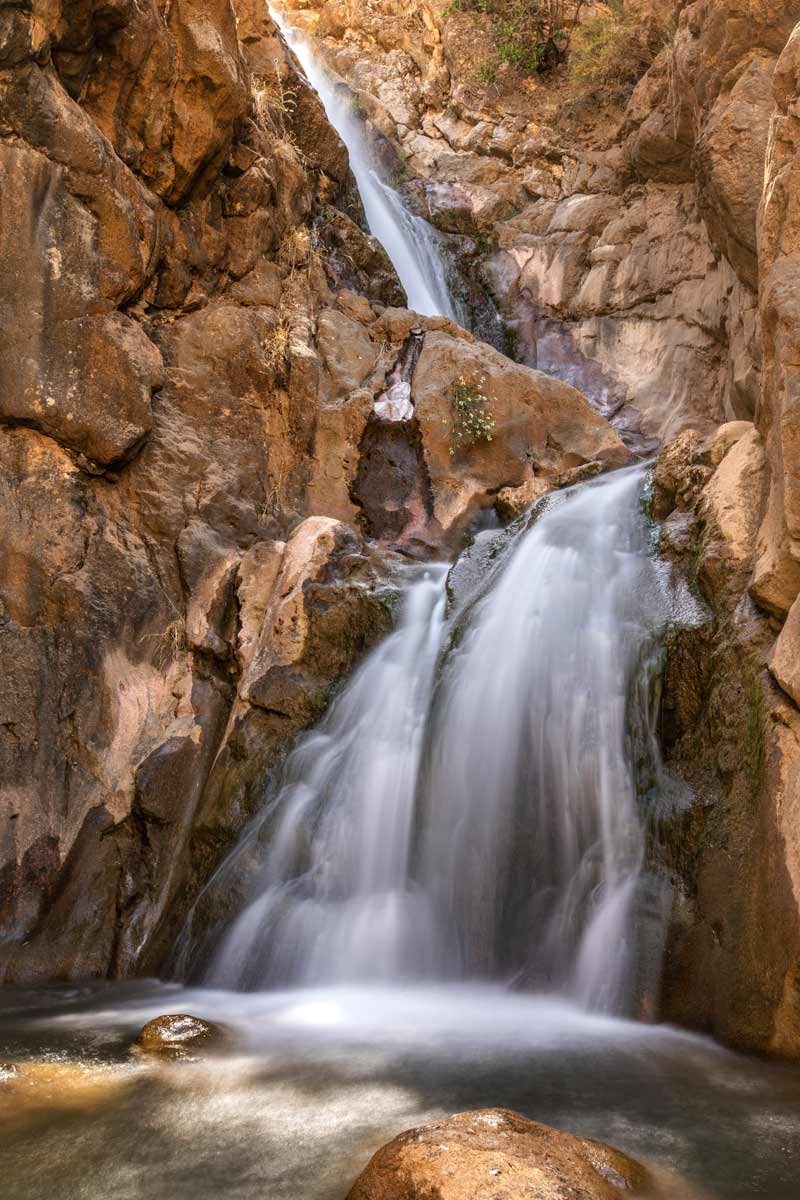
(468, 807)
(409, 241)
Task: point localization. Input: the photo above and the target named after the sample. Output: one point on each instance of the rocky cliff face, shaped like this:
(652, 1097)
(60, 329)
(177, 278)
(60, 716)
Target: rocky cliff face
(202, 503)
(194, 332)
(733, 725)
(619, 244)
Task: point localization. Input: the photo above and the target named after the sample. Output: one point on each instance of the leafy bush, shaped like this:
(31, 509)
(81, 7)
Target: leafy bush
(530, 35)
(613, 49)
(471, 420)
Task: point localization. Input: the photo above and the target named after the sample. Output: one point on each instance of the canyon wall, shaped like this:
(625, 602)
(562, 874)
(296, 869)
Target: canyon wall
(732, 723)
(194, 329)
(203, 512)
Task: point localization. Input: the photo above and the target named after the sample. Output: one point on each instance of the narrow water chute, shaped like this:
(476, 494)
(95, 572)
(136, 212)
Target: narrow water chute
(410, 241)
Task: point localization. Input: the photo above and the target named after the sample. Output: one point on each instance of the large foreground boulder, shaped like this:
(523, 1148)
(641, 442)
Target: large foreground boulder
(495, 1154)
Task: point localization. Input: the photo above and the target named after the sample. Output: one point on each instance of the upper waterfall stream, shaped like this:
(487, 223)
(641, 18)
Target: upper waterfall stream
(468, 807)
(410, 241)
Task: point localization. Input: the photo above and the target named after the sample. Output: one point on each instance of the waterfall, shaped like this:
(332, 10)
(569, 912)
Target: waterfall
(468, 807)
(410, 242)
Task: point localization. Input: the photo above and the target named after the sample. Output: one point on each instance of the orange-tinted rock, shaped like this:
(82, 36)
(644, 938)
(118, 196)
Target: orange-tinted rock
(776, 579)
(180, 1036)
(496, 1154)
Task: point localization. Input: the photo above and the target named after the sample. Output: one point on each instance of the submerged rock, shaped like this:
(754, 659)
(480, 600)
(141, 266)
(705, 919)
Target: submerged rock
(496, 1154)
(178, 1035)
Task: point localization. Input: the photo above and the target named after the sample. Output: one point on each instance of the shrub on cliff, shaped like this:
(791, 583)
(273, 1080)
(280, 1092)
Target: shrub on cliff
(472, 422)
(613, 48)
(530, 35)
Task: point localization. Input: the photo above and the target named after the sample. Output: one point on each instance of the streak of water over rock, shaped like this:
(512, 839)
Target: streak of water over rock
(410, 241)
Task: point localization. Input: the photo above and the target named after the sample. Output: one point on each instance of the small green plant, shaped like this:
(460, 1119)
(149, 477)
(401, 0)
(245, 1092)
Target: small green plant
(357, 109)
(471, 420)
(614, 48)
(531, 36)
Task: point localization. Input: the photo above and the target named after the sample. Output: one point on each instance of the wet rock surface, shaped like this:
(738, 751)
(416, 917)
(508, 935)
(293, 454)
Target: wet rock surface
(180, 1036)
(495, 1154)
(732, 735)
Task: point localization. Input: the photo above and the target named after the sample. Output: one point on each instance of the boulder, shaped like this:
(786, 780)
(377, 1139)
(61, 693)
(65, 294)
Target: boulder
(496, 1154)
(180, 1036)
(539, 425)
(784, 662)
(732, 505)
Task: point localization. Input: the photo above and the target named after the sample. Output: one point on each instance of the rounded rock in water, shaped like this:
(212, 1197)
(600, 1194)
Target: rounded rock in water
(178, 1035)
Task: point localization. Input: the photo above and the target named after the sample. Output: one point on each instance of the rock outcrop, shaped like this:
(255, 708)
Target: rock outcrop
(733, 735)
(495, 1154)
(733, 699)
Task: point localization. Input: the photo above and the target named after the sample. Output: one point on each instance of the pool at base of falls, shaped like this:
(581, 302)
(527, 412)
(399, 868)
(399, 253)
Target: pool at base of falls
(319, 1078)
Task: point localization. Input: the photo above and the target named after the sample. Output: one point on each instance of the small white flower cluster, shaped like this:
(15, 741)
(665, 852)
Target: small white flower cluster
(472, 421)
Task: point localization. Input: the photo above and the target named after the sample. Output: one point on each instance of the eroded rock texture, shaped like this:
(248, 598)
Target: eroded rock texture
(733, 735)
(733, 725)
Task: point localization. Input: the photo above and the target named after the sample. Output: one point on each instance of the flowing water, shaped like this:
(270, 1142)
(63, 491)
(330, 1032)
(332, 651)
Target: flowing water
(410, 241)
(468, 807)
(323, 1076)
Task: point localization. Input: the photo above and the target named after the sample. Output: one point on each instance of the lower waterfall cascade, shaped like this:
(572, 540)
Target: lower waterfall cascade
(468, 807)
